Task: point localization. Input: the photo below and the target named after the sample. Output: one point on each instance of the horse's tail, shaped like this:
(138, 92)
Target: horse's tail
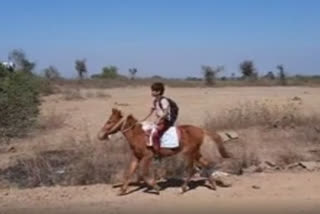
(219, 142)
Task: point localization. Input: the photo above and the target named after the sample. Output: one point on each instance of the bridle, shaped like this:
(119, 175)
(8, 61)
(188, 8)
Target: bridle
(123, 123)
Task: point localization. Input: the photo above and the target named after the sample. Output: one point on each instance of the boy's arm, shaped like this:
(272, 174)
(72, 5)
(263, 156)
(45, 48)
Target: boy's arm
(151, 112)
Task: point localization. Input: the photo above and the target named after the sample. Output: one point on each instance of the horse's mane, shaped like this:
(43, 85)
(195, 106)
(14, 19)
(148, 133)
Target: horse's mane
(132, 121)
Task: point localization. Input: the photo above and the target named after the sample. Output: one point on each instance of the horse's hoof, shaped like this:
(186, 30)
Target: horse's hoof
(212, 184)
(122, 193)
(223, 183)
(184, 189)
(213, 187)
(117, 185)
(157, 188)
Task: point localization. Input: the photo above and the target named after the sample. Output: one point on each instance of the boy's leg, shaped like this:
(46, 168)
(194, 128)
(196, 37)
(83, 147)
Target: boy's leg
(162, 127)
(156, 138)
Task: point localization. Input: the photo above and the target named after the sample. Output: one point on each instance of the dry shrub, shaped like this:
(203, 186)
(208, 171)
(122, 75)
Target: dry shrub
(72, 94)
(51, 121)
(245, 152)
(265, 113)
(101, 162)
(288, 156)
(171, 167)
(278, 133)
(89, 94)
(77, 162)
(281, 147)
(97, 94)
(102, 94)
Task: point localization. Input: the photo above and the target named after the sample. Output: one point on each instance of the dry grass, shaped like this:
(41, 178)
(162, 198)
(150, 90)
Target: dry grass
(97, 94)
(72, 94)
(277, 133)
(281, 134)
(51, 121)
(86, 161)
(76, 94)
(265, 113)
(102, 94)
(282, 147)
(79, 162)
(188, 82)
(73, 162)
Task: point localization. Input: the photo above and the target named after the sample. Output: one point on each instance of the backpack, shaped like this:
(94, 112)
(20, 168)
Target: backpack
(174, 109)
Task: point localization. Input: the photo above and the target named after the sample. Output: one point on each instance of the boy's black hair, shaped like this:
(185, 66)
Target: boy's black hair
(158, 86)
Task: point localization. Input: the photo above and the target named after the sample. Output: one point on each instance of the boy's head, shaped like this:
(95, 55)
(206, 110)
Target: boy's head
(157, 89)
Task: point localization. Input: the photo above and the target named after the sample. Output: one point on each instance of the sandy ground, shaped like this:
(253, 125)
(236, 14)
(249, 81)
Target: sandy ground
(274, 193)
(283, 192)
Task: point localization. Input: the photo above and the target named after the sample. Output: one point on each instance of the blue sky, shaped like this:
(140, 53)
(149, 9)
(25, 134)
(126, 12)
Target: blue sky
(168, 38)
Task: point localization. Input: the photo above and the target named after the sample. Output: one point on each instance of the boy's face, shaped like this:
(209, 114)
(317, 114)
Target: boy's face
(155, 93)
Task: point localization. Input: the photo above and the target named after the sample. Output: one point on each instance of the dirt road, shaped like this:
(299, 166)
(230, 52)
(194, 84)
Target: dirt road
(282, 192)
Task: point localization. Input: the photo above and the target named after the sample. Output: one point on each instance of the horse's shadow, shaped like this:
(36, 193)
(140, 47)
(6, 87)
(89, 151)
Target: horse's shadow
(176, 183)
(165, 184)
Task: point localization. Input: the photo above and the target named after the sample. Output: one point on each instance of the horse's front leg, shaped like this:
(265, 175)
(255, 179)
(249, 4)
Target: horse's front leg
(146, 162)
(132, 169)
(190, 173)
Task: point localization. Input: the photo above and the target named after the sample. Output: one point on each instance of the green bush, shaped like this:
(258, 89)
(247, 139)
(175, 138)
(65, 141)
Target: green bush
(19, 102)
(110, 72)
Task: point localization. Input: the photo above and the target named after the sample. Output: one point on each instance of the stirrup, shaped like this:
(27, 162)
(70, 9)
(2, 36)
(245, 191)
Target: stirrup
(157, 158)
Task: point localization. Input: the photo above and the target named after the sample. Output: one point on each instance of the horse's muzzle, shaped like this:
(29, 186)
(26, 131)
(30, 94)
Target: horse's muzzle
(103, 135)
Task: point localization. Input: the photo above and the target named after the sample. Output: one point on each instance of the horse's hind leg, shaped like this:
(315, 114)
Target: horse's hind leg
(205, 164)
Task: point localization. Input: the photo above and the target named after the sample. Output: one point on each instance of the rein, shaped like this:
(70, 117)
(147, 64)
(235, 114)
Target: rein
(123, 123)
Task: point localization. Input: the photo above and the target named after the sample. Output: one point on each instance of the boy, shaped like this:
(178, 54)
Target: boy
(166, 113)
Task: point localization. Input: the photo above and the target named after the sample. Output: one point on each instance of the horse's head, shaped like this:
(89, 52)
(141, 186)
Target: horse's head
(113, 125)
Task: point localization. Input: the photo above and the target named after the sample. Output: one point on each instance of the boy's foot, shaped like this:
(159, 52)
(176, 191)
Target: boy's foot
(157, 157)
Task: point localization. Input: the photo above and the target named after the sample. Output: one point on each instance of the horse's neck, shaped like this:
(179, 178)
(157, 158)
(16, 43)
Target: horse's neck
(133, 134)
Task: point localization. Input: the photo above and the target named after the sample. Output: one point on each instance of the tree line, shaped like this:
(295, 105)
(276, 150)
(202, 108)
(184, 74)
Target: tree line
(209, 74)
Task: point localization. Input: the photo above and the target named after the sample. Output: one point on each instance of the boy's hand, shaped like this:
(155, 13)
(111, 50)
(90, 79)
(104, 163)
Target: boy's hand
(160, 121)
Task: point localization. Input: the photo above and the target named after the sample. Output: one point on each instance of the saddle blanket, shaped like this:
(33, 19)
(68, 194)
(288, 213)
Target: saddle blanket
(169, 139)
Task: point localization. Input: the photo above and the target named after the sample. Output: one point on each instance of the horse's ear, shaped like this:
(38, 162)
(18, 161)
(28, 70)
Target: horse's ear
(116, 111)
(130, 118)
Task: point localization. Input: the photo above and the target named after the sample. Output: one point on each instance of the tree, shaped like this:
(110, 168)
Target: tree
(110, 72)
(19, 58)
(248, 70)
(210, 74)
(233, 76)
(133, 72)
(270, 75)
(81, 68)
(51, 73)
(282, 75)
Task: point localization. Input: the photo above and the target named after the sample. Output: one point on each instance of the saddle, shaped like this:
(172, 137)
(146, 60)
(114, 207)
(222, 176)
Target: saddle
(170, 139)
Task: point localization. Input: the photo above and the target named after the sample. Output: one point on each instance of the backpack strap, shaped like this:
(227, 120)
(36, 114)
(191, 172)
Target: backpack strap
(161, 98)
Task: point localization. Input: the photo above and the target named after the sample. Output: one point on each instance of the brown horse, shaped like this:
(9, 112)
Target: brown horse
(191, 139)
